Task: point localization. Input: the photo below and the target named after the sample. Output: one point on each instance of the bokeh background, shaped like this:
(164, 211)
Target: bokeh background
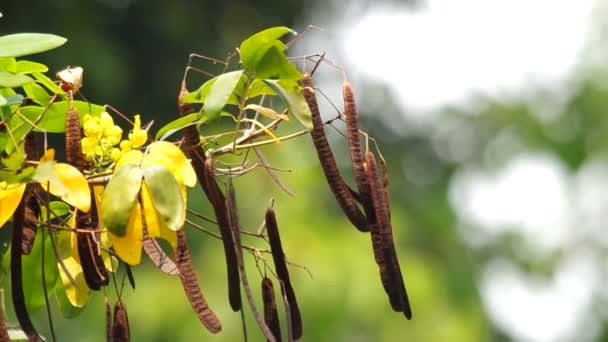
(492, 116)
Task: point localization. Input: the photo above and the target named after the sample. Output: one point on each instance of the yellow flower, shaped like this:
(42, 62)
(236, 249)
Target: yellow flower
(138, 137)
(91, 126)
(88, 145)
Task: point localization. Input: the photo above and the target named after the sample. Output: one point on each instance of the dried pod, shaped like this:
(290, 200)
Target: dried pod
(218, 201)
(73, 147)
(30, 221)
(354, 144)
(16, 275)
(191, 287)
(271, 315)
(89, 252)
(328, 163)
(235, 227)
(108, 315)
(383, 245)
(4, 337)
(158, 256)
(278, 256)
(120, 327)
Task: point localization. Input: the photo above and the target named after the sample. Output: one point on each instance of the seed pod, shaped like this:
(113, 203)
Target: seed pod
(30, 221)
(382, 242)
(278, 256)
(328, 163)
(120, 327)
(354, 144)
(4, 337)
(16, 275)
(235, 227)
(191, 287)
(89, 252)
(73, 148)
(218, 201)
(158, 256)
(108, 315)
(271, 315)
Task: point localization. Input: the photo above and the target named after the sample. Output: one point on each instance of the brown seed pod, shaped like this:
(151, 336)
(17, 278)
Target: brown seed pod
(235, 227)
(30, 221)
(158, 256)
(120, 327)
(354, 144)
(108, 315)
(73, 147)
(278, 256)
(382, 242)
(271, 315)
(16, 275)
(89, 252)
(191, 287)
(328, 163)
(218, 201)
(4, 337)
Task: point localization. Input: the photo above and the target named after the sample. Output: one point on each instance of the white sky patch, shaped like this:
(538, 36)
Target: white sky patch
(447, 50)
(528, 196)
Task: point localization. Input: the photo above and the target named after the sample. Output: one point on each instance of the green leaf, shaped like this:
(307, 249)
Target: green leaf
(22, 44)
(200, 95)
(28, 67)
(9, 80)
(14, 161)
(289, 91)
(48, 83)
(67, 309)
(36, 93)
(119, 198)
(254, 48)
(58, 208)
(258, 87)
(11, 100)
(12, 177)
(220, 93)
(53, 120)
(275, 65)
(32, 272)
(175, 125)
(166, 195)
(8, 64)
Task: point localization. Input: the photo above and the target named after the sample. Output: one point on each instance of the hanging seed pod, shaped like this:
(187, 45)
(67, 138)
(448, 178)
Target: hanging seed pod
(235, 227)
(73, 147)
(108, 315)
(158, 256)
(4, 337)
(16, 275)
(120, 327)
(271, 315)
(278, 256)
(191, 287)
(354, 144)
(30, 221)
(383, 245)
(218, 201)
(328, 163)
(89, 252)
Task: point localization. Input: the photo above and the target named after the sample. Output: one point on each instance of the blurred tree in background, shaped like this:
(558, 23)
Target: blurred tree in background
(134, 53)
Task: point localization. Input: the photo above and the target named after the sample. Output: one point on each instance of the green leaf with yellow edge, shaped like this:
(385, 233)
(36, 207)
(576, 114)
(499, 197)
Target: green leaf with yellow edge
(48, 83)
(176, 161)
(154, 222)
(28, 67)
(289, 91)
(10, 196)
(220, 93)
(22, 44)
(119, 198)
(166, 195)
(128, 247)
(36, 93)
(254, 48)
(66, 182)
(77, 294)
(10, 80)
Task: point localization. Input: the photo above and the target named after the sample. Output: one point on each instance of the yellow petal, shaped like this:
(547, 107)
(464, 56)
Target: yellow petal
(72, 187)
(48, 155)
(105, 120)
(179, 164)
(168, 235)
(130, 157)
(128, 247)
(153, 218)
(10, 196)
(139, 136)
(79, 294)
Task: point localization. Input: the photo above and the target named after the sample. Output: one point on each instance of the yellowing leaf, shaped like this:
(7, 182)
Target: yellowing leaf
(10, 196)
(77, 293)
(65, 182)
(166, 195)
(267, 112)
(119, 198)
(130, 157)
(128, 247)
(154, 222)
(178, 163)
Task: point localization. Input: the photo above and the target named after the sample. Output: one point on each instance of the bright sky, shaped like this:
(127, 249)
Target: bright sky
(447, 51)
